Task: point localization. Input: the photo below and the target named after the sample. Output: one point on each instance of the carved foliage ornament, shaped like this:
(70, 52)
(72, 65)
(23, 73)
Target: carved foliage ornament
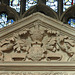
(37, 44)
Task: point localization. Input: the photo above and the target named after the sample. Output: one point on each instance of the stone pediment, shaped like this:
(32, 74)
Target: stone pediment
(40, 19)
(37, 38)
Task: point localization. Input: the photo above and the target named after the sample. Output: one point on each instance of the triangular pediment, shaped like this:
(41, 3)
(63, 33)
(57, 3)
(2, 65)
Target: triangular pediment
(40, 19)
(37, 38)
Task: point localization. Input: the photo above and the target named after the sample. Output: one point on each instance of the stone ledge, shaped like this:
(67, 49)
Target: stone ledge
(37, 66)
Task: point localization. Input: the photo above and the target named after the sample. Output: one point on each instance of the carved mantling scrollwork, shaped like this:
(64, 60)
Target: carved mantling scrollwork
(37, 44)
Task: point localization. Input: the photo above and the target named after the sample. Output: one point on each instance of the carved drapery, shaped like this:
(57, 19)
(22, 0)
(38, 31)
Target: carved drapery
(37, 44)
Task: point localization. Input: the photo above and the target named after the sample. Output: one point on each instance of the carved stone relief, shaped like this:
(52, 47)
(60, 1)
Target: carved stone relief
(37, 44)
(37, 73)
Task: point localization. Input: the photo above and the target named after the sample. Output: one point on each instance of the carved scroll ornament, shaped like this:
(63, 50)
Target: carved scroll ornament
(37, 45)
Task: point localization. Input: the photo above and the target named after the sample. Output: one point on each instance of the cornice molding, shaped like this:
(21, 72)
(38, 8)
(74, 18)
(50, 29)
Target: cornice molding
(37, 66)
(27, 22)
